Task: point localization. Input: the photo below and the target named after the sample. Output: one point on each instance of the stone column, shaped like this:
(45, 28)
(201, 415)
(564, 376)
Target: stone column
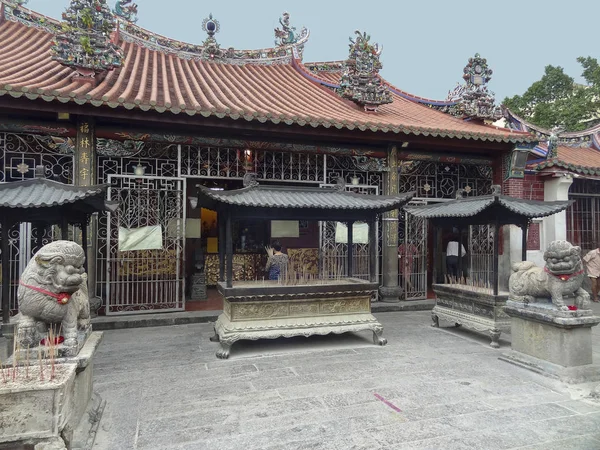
(555, 227)
(84, 174)
(390, 291)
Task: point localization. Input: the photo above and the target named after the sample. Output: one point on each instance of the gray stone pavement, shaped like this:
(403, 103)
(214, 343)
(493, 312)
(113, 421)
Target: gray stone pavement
(427, 389)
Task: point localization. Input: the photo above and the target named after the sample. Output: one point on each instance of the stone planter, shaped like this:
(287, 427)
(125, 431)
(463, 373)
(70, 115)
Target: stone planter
(52, 411)
(37, 410)
(476, 309)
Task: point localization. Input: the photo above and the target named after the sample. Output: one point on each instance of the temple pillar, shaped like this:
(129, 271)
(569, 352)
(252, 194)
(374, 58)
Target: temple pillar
(390, 291)
(555, 226)
(84, 174)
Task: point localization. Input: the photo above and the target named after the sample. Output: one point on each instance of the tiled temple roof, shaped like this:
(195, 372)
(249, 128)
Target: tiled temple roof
(164, 80)
(475, 206)
(43, 193)
(577, 151)
(304, 198)
(581, 160)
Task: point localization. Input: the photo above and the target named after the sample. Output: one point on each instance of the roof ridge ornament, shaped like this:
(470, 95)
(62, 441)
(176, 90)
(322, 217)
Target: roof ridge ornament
(250, 180)
(360, 81)
(496, 189)
(126, 11)
(84, 43)
(553, 142)
(340, 184)
(473, 98)
(211, 48)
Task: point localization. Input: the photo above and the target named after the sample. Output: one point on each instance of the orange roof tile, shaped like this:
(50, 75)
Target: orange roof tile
(164, 81)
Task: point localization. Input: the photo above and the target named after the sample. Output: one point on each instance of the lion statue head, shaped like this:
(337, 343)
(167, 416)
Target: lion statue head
(562, 258)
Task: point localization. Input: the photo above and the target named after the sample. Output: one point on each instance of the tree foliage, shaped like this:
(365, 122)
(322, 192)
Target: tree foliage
(556, 100)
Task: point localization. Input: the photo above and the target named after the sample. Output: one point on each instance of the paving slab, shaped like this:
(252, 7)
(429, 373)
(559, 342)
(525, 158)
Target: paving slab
(427, 389)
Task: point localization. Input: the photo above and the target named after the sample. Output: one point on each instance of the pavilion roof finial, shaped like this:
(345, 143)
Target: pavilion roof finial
(473, 97)
(126, 10)
(211, 48)
(84, 43)
(360, 81)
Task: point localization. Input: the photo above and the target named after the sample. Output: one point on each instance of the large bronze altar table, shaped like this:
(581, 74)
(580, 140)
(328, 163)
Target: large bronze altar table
(268, 310)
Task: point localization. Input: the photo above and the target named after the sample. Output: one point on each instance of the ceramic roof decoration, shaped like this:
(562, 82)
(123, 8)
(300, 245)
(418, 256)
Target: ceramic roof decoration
(286, 35)
(360, 80)
(473, 99)
(164, 75)
(84, 41)
(126, 10)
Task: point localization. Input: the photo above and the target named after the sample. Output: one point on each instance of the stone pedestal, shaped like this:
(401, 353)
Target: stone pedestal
(60, 411)
(198, 288)
(552, 342)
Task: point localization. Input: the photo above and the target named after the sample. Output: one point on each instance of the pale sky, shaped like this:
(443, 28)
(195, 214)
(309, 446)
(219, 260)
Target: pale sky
(426, 43)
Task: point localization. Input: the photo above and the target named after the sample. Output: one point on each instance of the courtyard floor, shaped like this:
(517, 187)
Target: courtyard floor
(427, 389)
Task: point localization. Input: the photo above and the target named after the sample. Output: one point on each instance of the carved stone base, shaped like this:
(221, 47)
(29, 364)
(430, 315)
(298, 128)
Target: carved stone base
(390, 294)
(575, 375)
(267, 311)
(62, 350)
(475, 309)
(229, 332)
(471, 322)
(544, 332)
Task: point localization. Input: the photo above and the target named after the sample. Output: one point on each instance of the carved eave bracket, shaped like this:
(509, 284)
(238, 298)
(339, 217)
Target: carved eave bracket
(360, 81)
(84, 43)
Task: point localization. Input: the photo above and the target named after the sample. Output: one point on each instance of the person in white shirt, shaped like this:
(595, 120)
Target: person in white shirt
(452, 256)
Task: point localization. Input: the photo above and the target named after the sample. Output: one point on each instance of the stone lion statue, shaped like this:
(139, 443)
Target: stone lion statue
(53, 290)
(562, 275)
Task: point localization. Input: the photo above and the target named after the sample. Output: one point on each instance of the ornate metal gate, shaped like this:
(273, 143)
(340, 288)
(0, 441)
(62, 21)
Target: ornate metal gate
(334, 255)
(412, 252)
(144, 280)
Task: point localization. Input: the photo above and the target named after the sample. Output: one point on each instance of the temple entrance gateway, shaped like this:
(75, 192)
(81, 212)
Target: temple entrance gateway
(145, 245)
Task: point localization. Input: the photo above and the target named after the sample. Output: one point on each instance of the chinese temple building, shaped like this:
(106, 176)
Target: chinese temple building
(564, 166)
(96, 99)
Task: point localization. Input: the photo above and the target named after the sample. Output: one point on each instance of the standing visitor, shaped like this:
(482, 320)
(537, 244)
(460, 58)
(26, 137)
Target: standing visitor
(452, 256)
(277, 262)
(592, 265)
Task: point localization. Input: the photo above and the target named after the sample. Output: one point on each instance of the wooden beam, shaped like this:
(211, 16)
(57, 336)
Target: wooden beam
(221, 223)
(373, 251)
(524, 229)
(5, 224)
(350, 249)
(84, 245)
(495, 273)
(229, 249)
